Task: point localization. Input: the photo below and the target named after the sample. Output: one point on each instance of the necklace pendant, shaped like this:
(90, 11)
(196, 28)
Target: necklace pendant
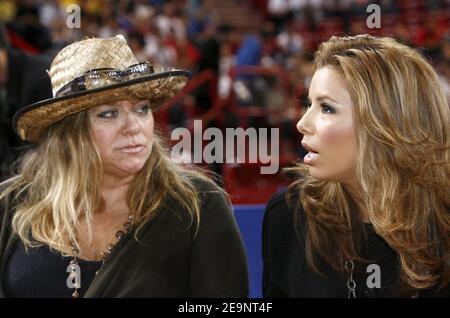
(74, 270)
(74, 278)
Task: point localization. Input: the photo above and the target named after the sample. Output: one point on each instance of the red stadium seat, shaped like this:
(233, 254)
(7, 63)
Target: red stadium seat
(246, 185)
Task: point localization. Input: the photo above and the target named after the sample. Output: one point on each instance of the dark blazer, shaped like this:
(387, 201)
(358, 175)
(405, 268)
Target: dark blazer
(286, 272)
(27, 83)
(169, 260)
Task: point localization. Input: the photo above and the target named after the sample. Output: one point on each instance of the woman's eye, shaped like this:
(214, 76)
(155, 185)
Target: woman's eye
(108, 114)
(327, 109)
(143, 110)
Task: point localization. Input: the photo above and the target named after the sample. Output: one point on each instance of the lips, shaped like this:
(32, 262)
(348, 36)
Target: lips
(309, 148)
(311, 156)
(131, 149)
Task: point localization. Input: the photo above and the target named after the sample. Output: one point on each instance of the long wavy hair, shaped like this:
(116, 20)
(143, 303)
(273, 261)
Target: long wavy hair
(402, 122)
(60, 182)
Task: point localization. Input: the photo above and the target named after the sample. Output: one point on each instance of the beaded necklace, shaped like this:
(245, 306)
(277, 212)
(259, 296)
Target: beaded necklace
(73, 279)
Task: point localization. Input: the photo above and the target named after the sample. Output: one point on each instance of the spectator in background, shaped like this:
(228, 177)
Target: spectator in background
(27, 25)
(23, 80)
(137, 45)
(209, 55)
(291, 43)
(278, 11)
(247, 87)
(169, 23)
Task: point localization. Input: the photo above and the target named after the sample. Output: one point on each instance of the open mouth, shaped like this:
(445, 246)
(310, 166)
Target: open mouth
(311, 156)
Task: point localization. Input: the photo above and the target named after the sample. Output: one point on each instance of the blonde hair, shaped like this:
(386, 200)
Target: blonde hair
(61, 181)
(402, 123)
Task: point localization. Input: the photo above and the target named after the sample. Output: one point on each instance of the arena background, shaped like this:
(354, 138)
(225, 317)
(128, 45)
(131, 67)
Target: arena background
(251, 63)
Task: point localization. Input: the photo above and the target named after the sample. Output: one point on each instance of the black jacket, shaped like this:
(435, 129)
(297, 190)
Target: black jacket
(287, 274)
(27, 83)
(169, 260)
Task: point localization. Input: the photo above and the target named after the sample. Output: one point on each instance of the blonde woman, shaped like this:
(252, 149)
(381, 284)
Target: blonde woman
(99, 209)
(369, 213)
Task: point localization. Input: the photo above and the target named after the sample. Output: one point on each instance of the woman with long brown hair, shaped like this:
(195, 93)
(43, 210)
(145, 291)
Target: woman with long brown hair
(369, 213)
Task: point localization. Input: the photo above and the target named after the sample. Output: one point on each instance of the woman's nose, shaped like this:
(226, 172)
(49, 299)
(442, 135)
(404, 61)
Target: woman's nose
(132, 125)
(303, 125)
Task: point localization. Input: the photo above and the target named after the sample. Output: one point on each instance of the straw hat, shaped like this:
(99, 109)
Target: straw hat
(91, 72)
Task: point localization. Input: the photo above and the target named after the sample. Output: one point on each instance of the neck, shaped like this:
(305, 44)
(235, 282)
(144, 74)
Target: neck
(355, 193)
(114, 194)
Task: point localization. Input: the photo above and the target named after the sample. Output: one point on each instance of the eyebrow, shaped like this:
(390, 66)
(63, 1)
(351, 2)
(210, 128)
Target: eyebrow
(322, 97)
(103, 107)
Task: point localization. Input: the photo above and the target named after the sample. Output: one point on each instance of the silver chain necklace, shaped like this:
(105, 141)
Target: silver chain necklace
(351, 284)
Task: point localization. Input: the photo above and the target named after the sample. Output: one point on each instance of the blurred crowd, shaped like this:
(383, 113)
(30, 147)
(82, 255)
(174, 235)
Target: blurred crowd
(190, 34)
(194, 35)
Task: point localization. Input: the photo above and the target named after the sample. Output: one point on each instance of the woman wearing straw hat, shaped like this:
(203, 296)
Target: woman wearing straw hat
(99, 209)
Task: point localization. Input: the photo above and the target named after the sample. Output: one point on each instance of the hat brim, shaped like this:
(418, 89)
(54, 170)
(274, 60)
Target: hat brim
(31, 121)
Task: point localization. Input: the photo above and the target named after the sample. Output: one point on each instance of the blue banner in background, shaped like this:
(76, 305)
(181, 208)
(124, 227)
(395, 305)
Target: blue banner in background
(249, 219)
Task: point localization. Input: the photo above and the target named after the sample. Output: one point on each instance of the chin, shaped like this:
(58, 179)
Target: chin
(134, 169)
(132, 166)
(321, 175)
